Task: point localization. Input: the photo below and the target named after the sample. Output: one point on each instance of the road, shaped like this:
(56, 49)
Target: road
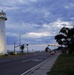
(20, 64)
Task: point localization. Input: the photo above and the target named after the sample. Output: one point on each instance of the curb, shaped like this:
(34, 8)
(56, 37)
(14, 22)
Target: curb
(28, 72)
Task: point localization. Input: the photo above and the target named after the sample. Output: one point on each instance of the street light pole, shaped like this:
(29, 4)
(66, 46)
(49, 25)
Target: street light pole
(19, 41)
(14, 47)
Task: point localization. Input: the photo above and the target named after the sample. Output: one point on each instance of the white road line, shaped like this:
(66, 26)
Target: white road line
(35, 67)
(30, 59)
(26, 60)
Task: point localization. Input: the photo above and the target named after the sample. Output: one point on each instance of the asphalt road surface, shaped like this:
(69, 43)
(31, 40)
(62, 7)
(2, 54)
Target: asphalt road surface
(18, 65)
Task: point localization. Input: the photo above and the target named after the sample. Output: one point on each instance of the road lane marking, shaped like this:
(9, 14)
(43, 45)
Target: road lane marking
(37, 60)
(36, 67)
(33, 59)
(26, 60)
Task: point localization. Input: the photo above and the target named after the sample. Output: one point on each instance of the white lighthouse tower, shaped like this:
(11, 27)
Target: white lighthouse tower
(2, 32)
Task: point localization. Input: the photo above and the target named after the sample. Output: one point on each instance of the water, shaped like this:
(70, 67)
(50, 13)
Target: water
(31, 47)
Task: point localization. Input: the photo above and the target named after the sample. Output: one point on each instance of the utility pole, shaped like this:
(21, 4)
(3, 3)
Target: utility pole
(14, 47)
(19, 41)
(27, 47)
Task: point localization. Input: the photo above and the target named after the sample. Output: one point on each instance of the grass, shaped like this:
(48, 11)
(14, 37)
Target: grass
(64, 65)
(9, 56)
(13, 55)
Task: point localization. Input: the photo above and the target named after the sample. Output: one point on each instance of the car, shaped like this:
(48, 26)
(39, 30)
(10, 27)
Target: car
(52, 53)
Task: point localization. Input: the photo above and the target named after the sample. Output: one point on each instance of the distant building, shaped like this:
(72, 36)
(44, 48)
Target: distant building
(2, 32)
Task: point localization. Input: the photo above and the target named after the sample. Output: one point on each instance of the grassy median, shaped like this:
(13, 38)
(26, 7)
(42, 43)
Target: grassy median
(64, 65)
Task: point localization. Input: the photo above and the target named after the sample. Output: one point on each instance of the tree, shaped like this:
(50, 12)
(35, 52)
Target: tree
(22, 48)
(46, 49)
(66, 38)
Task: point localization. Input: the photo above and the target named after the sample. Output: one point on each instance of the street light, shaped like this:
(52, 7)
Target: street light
(19, 39)
(15, 45)
(20, 35)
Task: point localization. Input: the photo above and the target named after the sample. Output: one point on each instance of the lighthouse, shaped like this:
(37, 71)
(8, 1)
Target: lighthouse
(2, 32)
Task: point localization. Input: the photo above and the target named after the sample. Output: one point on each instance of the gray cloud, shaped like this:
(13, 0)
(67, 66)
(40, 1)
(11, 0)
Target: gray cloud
(37, 18)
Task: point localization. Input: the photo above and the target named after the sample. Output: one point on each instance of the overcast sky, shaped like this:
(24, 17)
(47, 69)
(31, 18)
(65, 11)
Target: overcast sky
(37, 20)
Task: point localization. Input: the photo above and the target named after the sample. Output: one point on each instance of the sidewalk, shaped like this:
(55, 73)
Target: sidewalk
(43, 69)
